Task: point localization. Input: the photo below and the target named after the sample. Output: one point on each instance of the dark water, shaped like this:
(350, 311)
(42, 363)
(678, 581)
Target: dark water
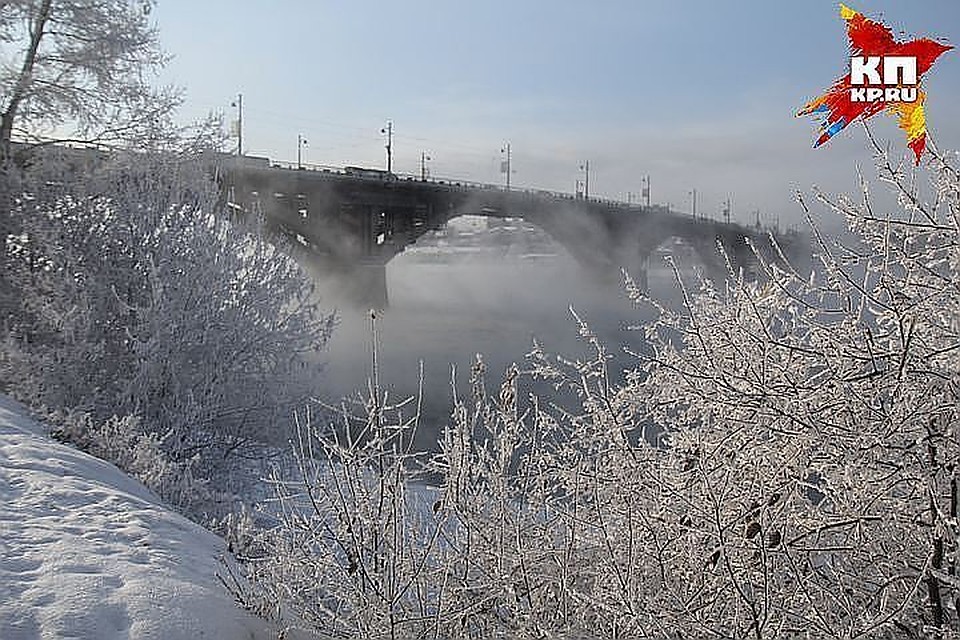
(443, 314)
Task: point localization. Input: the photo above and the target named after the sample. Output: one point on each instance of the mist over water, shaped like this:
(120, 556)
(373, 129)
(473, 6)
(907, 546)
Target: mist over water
(444, 313)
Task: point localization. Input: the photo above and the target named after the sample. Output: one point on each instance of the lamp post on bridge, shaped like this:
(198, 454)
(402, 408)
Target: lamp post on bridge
(388, 131)
(505, 164)
(423, 165)
(238, 103)
(301, 143)
(585, 167)
(694, 194)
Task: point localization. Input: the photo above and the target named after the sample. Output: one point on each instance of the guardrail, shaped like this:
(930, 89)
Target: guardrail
(456, 183)
(448, 182)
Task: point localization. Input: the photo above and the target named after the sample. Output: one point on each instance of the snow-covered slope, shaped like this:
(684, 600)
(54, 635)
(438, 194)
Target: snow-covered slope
(88, 552)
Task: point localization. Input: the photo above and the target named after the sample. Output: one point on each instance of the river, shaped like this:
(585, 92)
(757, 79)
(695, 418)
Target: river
(444, 308)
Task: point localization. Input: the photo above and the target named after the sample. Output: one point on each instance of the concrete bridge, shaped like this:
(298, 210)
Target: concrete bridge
(350, 222)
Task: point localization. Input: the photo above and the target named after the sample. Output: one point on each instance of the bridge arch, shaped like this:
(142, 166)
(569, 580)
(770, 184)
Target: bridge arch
(352, 226)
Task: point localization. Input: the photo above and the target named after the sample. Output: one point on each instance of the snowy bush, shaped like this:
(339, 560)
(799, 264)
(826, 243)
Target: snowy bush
(138, 296)
(123, 442)
(356, 553)
(781, 462)
(811, 432)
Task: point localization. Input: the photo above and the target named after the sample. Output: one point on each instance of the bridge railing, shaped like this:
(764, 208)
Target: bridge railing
(457, 183)
(450, 183)
(375, 175)
(537, 193)
(304, 166)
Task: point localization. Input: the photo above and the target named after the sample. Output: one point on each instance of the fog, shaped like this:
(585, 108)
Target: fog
(446, 307)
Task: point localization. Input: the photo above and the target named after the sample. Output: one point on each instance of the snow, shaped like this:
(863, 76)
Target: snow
(88, 552)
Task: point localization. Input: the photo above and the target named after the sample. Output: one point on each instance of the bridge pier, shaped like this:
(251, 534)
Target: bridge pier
(360, 285)
(363, 286)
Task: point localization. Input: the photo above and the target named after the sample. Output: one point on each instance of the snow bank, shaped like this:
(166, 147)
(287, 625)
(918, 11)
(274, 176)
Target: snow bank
(88, 552)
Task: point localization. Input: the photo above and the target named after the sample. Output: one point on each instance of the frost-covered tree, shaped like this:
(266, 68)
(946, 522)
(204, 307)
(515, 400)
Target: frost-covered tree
(781, 462)
(811, 429)
(125, 287)
(79, 69)
(138, 295)
(803, 479)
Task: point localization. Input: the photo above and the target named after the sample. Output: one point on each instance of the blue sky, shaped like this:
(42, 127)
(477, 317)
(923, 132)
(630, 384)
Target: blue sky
(698, 94)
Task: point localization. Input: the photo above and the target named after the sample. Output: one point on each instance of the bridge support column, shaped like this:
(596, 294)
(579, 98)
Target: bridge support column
(363, 286)
(355, 283)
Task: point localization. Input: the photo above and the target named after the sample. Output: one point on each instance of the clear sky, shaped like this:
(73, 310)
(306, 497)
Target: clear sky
(699, 94)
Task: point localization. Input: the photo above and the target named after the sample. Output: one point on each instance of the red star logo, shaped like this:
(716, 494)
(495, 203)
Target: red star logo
(840, 106)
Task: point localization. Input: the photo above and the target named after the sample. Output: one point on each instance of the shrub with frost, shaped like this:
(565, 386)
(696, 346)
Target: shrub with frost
(140, 296)
(780, 462)
(810, 479)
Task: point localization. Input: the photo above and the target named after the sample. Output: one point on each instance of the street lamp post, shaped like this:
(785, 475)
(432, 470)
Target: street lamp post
(238, 103)
(505, 165)
(694, 194)
(301, 143)
(585, 167)
(388, 131)
(423, 165)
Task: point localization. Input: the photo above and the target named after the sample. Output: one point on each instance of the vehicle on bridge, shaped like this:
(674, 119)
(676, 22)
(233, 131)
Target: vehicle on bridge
(362, 172)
